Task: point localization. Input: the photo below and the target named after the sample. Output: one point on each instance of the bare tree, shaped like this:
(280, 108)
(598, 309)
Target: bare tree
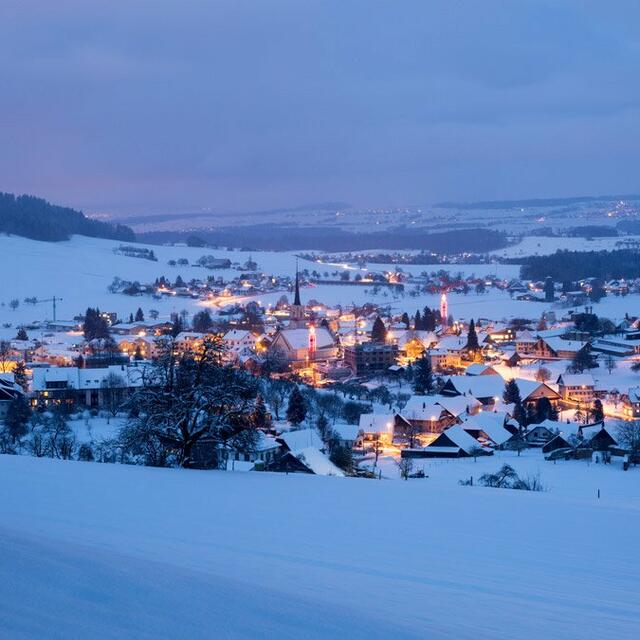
(113, 387)
(628, 436)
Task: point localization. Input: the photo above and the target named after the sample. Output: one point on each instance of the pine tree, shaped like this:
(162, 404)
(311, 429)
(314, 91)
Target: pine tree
(417, 321)
(511, 393)
(472, 338)
(405, 320)
(20, 375)
(379, 331)
(597, 411)
(423, 382)
(297, 409)
(131, 320)
(22, 334)
(429, 320)
(260, 415)
(139, 315)
(17, 417)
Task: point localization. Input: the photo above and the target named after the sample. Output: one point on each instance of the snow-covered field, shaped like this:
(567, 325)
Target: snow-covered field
(544, 246)
(80, 270)
(106, 551)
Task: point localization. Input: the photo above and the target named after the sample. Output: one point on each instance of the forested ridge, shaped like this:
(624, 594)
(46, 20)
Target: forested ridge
(38, 219)
(575, 265)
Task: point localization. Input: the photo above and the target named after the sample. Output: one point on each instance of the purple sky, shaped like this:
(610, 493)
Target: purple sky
(173, 105)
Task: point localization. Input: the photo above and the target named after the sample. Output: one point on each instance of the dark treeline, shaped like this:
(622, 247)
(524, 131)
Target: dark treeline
(37, 219)
(574, 265)
(281, 238)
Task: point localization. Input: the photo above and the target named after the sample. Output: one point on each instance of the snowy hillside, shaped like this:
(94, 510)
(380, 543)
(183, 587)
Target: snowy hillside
(105, 551)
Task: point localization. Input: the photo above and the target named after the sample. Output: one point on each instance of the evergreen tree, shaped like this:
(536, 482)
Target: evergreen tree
(95, 326)
(179, 282)
(417, 321)
(472, 338)
(131, 320)
(511, 393)
(405, 320)
(260, 415)
(202, 321)
(597, 411)
(379, 331)
(20, 375)
(429, 320)
(22, 334)
(139, 315)
(520, 415)
(138, 353)
(297, 409)
(17, 417)
(342, 457)
(423, 382)
(581, 361)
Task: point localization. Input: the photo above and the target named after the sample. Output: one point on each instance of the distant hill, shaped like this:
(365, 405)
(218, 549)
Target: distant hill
(533, 202)
(37, 219)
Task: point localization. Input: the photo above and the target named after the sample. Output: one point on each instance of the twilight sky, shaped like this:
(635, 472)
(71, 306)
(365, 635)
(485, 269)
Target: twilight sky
(175, 105)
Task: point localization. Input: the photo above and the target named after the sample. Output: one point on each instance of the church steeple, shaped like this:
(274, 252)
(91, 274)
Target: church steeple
(296, 311)
(296, 297)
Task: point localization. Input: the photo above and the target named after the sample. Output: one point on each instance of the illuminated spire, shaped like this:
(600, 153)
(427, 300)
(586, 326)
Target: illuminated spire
(444, 309)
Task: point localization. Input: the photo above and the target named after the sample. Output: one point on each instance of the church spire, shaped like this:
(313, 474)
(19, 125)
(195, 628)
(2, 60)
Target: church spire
(296, 297)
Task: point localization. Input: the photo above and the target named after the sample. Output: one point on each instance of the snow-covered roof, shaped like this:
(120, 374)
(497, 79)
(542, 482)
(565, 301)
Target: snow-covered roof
(492, 424)
(348, 432)
(318, 462)
(377, 423)
(301, 439)
(299, 338)
(558, 344)
(478, 386)
(576, 380)
(461, 438)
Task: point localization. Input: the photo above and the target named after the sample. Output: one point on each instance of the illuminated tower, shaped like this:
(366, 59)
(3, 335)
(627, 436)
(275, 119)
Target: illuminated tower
(444, 310)
(312, 342)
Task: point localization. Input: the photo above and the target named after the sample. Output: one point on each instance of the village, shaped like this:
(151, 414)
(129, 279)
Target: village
(374, 384)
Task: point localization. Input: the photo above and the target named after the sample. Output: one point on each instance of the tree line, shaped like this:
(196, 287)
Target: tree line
(37, 219)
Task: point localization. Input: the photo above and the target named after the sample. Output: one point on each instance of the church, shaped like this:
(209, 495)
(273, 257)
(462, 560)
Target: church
(301, 343)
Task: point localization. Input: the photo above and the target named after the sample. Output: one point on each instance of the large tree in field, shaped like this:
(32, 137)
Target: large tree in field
(186, 398)
(423, 380)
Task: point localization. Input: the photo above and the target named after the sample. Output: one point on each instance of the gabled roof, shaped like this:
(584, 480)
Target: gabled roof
(576, 380)
(377, 423)
(318, 462)
(477, 386)
(301, 439)
(459, 437)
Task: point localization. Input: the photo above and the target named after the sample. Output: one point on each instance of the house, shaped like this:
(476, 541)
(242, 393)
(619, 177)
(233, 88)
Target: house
(558, 348)
(303, 451)
(370, 357)
(492, 428)
(380, 426)
(433, 414)
(478, 369)
(304, 344)
(576, 387)
(9, 391)
(236, 340)
(487, 389)
(559, 441)
(347, 434)
(532, 391)
(264, 452)
(525, 343)
(454, 442)
(631, 403)
(97, 388)
(537, 435)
